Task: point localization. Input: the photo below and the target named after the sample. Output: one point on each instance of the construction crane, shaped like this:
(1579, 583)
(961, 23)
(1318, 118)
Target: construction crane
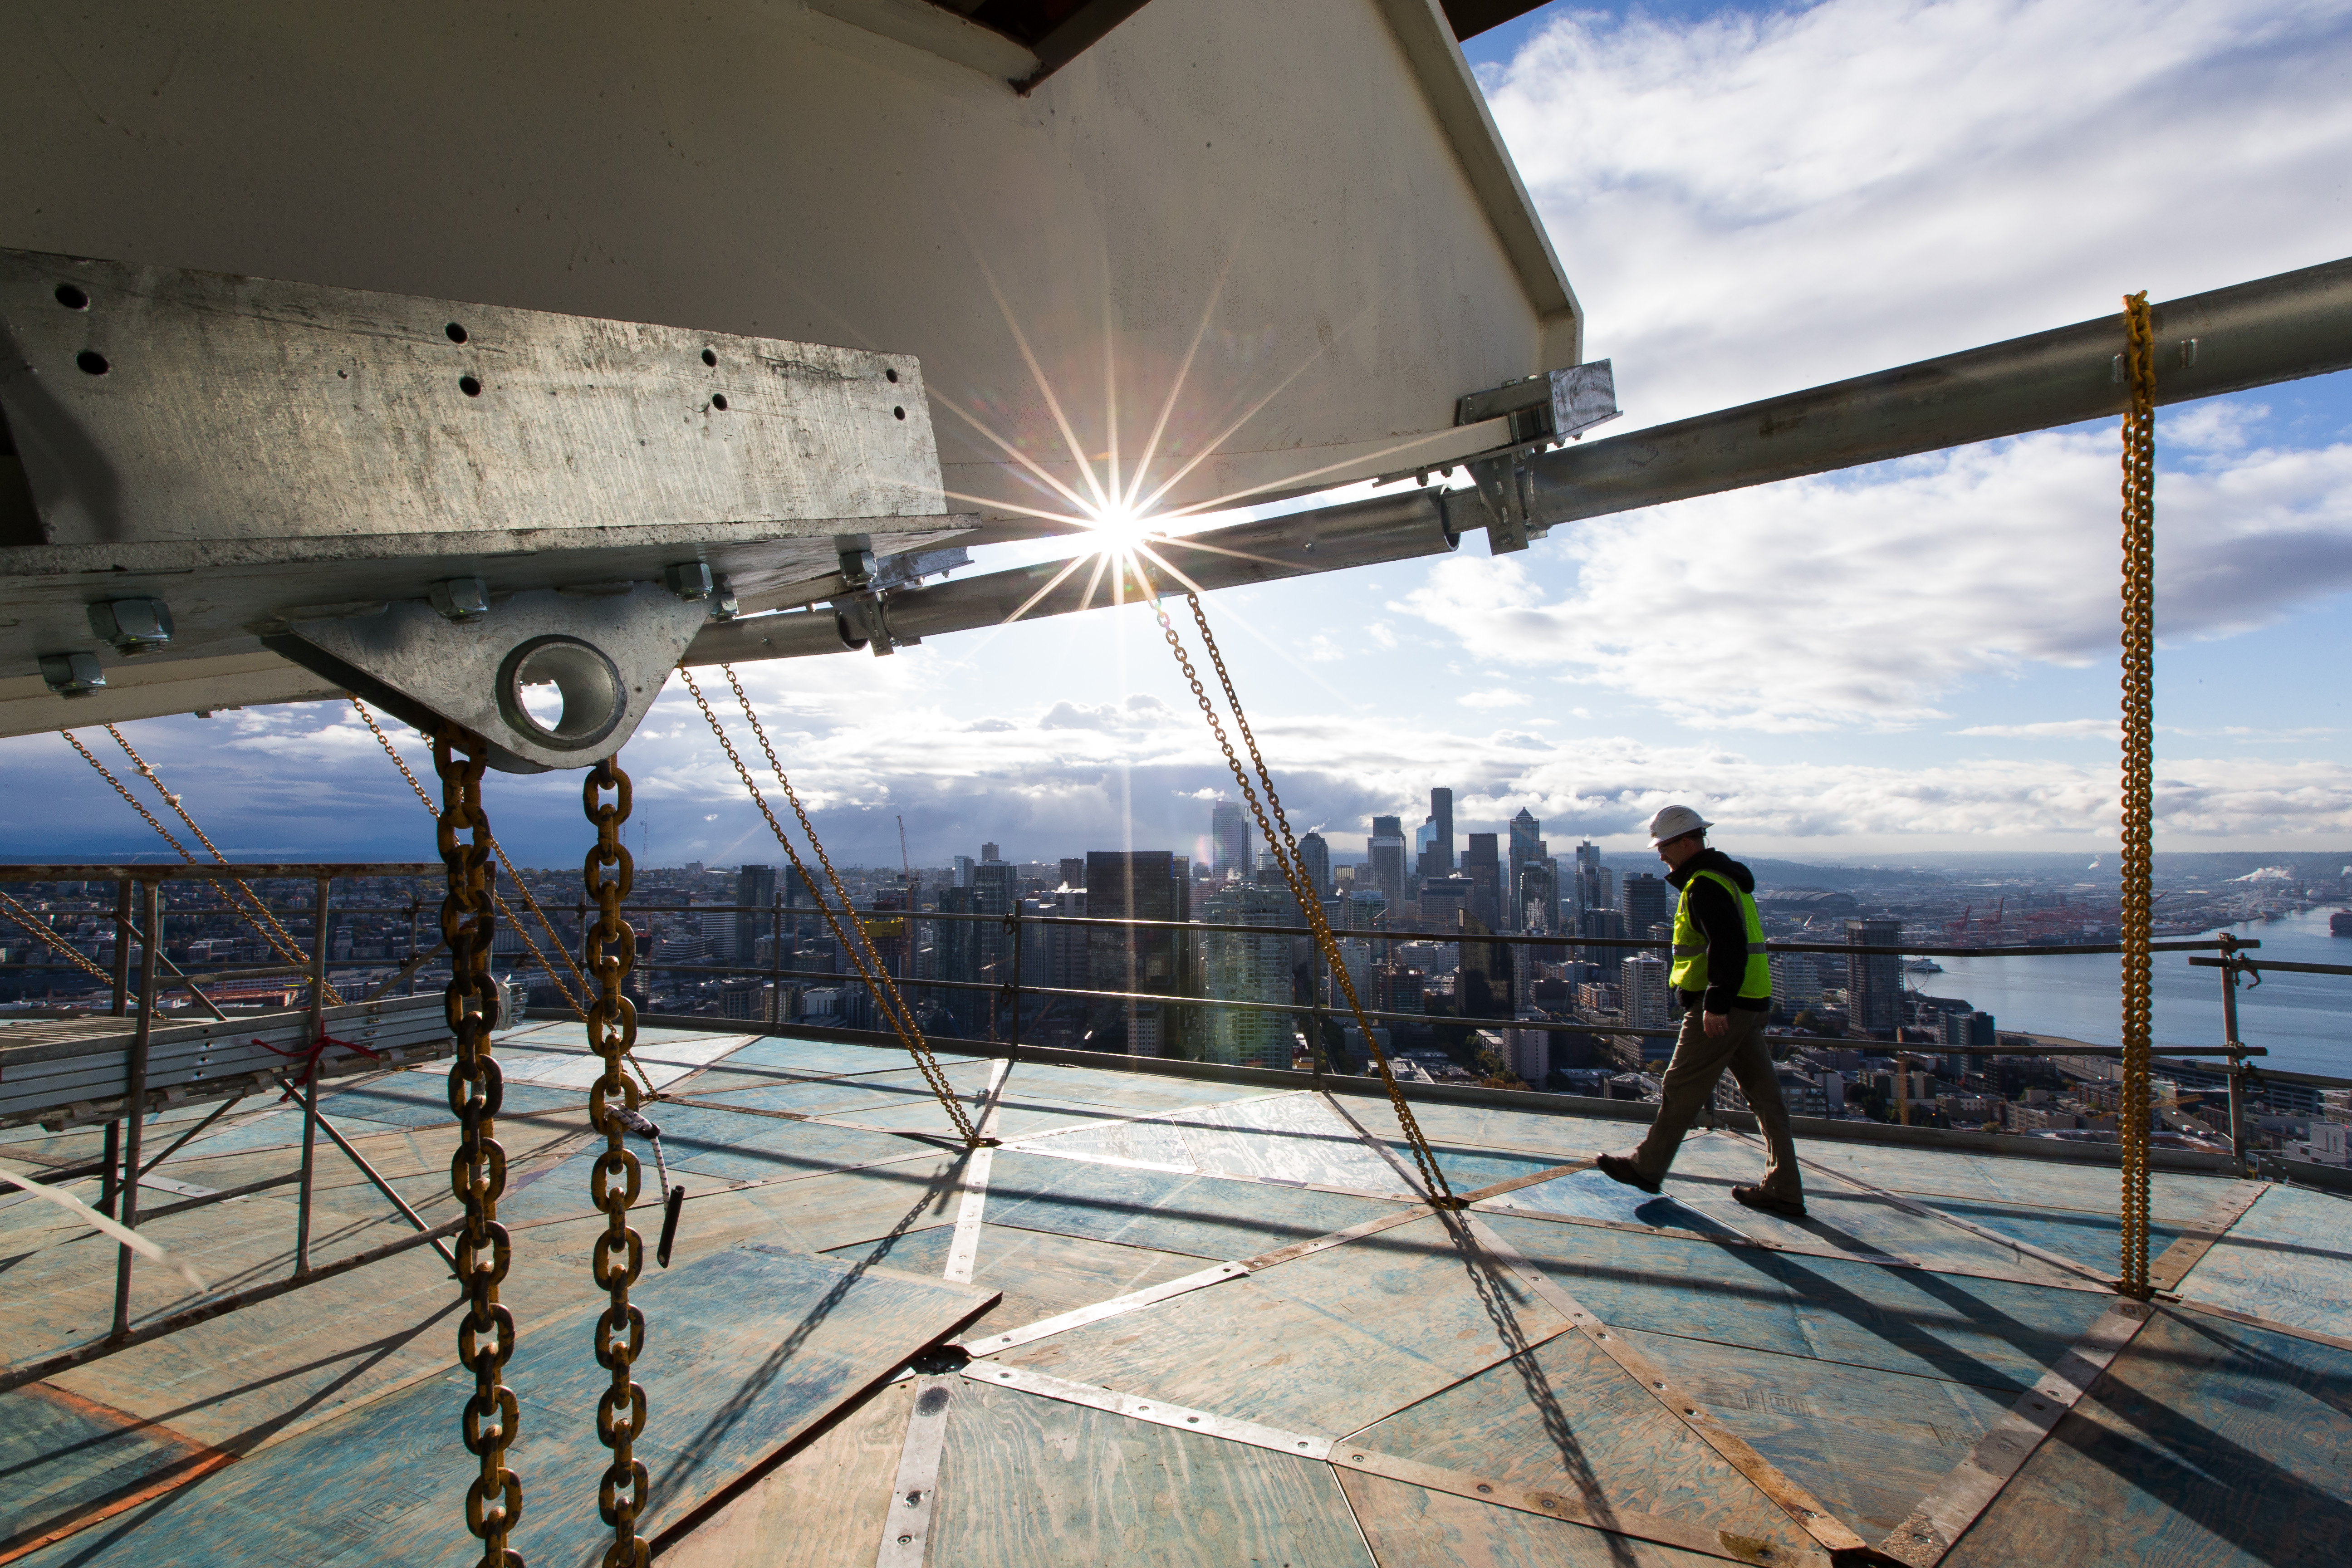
(905, 863)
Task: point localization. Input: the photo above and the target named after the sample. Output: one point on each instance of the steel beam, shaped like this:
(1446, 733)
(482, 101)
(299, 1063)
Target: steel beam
(2255, 334)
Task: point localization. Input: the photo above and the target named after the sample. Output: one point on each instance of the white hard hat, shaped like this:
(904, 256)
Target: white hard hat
(1676, 821)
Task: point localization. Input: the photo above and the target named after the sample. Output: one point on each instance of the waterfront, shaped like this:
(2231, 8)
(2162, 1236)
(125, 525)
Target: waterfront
(2305, 1020)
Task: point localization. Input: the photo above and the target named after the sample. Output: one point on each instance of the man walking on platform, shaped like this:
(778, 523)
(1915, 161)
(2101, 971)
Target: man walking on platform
(1725, 986)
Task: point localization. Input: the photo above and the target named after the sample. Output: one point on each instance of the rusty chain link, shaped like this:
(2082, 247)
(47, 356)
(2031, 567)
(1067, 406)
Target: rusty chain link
(2133, 1113)
(478, 1172)
(878, 984)
(267, 927)
(42, 932)
(618, 1256)
(1284, 850)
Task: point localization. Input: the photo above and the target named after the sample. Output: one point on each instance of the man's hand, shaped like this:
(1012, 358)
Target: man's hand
(1718, 1024)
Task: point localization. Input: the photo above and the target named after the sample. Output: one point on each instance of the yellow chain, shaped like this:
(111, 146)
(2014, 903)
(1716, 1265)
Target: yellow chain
(877, 980)
(268, 927)
(478, 1172)
(577, 1003)
(42, 932)
(619, 1254)
(1284, 850)
(2132, 1129)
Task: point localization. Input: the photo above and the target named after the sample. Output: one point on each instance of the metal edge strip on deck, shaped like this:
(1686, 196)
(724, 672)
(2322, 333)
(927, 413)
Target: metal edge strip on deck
(914, 1491)
(963, 1252)
(193, 1462)
(1340, 1453)
(1799, 1504)
(1945, 1514)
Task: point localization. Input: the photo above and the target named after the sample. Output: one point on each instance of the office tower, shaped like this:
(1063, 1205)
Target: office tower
(1444, 901)
(1138, 884)
(1229, 841)
(1315, 862)
(1483, 974)
(963, 867)
(1384, 858)
(1873, 982)
(754, 886)
(1526, 846)
(1074, 870)
(1605, 960)
(1643, 992)
(988, 852)
(1242, 968)
(1796, 981)
(1642, 898)
(1441, 817)
(1482, 864)
(956, 952)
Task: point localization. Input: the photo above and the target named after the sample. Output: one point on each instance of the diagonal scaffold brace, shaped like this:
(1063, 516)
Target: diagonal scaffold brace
(869, 965)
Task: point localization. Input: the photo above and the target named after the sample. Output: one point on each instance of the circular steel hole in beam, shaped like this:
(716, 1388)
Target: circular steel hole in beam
(590, 696)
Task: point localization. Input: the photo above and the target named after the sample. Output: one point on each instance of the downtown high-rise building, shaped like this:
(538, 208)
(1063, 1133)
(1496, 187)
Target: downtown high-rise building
(754, 886)
(1873, 981)
(1384, 858)
(1482, 864)
(1526, 848)
(1244, 968)
(1315, 862)
(1229, 842)
(1434, 844)
(1146, 885)
(1643, 901)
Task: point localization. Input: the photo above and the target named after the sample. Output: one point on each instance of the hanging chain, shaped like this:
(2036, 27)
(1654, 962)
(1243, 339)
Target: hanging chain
(577, 1003)
(267, 927)
(2132, 1129)
(878, 984)
(1284, 850)
(42, 932)
(478, 1172)
(619, 1254)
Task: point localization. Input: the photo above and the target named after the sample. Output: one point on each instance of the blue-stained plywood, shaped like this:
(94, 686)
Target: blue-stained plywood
(1412, 1527)
(745, 1349)
(2288, 1259)
(2011, 1178)
(64, 1461)
(1589, 1194)
(1469, 1169)
(1327, 1343)
(826, 1058)
(1868, 1443)
(753, 1148)
(1035, 1483)
(1566, 1139)
(1137, 1093)
(421, 1098)
(1040, 1274)
(1564, 1418)
(1989, 1332)
(2206, 1442)
(1201, 1215)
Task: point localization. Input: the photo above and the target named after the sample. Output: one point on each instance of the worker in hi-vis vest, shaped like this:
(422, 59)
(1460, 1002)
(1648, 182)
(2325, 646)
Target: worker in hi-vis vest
(1725, 986)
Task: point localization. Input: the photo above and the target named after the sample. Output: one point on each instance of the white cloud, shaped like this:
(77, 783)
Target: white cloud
(2068, 729)
(1500, 697)
(1863, 598)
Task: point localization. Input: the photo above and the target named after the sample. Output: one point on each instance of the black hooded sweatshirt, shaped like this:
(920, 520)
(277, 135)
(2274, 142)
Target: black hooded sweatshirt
(1718, 917)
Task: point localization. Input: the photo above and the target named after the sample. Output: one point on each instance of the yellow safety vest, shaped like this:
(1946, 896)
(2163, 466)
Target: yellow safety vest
(1690, 944)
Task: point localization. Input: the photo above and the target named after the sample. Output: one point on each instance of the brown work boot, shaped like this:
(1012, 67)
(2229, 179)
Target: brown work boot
(1618, 1168)
(1758, 1198)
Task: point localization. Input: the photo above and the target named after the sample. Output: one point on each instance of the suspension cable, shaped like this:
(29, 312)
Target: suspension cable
(617, 1258)
(477, 1170)
(2132, 1121)
(878, 984)
(42, 932)
(267, 928)
(577, 1002)
(1284, 850)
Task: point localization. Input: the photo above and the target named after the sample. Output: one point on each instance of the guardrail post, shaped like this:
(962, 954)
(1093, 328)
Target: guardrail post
(1013, 924)
(150, 927)
(315, 1043)
(122, 948)
(2230, 962)
(1315, 1010)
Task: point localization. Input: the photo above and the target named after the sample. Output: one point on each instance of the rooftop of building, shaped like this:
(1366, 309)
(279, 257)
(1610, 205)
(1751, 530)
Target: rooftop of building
(1204, 1318)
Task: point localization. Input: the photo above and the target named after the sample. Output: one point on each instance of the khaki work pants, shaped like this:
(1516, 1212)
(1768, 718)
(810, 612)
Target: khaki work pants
(1691, 1077)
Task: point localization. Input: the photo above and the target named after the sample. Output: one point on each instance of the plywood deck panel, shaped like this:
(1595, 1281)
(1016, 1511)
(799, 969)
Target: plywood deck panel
(1133, 1092)
(1042, 1275)
(1412, 1527)
(2205, 1443)
(825, 1059)
(1566, 1138)
(1564, 1418)
(2035, 1184)
(1199, 1215)
(1989, 1332)
(1868, 1443)
(752, 1149)
(823, 1508)
(864, 1096)
(747, 1347)
(1330, 1343)
(1589, 1194)
(2288, 1259)
(66, 1461)
(1036, 1483)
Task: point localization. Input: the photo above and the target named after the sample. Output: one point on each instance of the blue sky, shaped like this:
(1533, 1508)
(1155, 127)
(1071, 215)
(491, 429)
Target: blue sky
(1921, 655)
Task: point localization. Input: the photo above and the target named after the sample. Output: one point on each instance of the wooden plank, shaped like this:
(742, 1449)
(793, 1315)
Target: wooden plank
(2288, 1261)
(72, 1462)
(1944, 1515)
(1868, 1443)
(2204, 1442)
(1379, 1322)
(820, 1507)
(746, 1348)
(1409, 1526)
(1800, 1504)
(1040, 1483)
(1564, 1420)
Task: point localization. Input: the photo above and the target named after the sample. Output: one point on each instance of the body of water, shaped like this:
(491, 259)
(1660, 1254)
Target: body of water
(2305, 1020)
